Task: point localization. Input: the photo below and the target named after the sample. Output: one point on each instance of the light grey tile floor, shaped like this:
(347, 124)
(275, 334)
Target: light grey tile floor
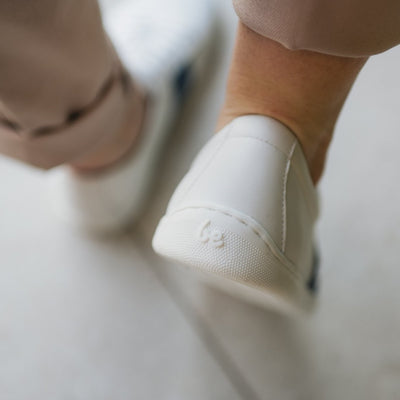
(84, 318)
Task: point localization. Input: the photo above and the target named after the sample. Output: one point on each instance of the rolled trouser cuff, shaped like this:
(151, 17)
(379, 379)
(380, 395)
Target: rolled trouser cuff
(51, 146)
(347, 28)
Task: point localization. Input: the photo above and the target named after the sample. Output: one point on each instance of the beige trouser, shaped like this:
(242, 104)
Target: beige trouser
(63, 90)
(352, 28)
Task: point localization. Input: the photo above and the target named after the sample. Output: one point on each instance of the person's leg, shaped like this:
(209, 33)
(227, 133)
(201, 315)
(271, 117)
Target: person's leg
(302, 89)
(64, 95)
(348, 28)
(245, 212)
(161, 50)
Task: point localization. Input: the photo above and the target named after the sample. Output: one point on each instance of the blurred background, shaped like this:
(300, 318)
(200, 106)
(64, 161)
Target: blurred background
(94, 319)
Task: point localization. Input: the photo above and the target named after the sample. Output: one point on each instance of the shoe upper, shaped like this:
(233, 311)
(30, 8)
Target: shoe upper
(256, 169)
(154, 39)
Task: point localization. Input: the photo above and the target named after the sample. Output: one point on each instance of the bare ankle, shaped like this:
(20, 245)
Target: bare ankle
(302, 89)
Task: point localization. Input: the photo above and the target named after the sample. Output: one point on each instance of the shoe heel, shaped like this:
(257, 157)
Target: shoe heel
(230, 254)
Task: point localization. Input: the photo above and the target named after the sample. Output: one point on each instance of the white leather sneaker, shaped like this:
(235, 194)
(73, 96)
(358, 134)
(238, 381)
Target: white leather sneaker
(163, 47)
(244, 215)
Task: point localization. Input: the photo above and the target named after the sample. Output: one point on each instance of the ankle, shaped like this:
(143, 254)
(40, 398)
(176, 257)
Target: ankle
(303, 90)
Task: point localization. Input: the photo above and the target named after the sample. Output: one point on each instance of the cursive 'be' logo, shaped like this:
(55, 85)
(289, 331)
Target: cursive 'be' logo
(214, 236)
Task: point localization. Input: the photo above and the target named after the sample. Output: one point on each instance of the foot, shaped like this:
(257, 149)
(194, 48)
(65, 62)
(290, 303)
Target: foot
(160, 47)
(244, 215)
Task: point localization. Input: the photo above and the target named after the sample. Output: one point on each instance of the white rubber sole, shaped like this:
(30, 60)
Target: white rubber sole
(234, 254)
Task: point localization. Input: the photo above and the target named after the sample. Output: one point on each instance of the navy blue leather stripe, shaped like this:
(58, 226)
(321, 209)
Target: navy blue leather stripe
(312, 283)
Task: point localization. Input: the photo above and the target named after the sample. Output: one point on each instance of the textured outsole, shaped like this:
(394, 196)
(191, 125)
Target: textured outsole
(233, 253)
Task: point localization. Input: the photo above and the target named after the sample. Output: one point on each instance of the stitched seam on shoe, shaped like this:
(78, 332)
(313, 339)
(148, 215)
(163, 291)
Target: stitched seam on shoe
(261, 140)
(305, 189)
(284, 192)
(276, 252)
(295, 167)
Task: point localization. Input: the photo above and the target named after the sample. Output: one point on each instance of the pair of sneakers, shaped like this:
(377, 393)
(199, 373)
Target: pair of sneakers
(244, 213)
